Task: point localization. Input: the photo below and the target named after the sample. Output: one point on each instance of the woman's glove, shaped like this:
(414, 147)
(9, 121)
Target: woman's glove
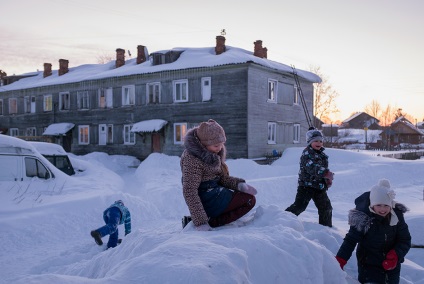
(204, 227)
(341, 261)
(244, 187)
(391, 260)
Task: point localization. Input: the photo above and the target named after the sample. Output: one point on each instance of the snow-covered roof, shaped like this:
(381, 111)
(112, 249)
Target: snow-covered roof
(189, 58)
(352, 117)
(46, 148)
(149, 125)
(58, 129)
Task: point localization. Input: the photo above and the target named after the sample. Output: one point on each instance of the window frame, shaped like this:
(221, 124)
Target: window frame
(83, 100)
(128, 97)
(67, 104)
(296, 133)
(180, 130)
(108, 102)
(128, 136)
(1, 107)
(272, 90)
(14, 132)
(31, 131)
(27, 104)
(153, 93)
(272, 133)
(48, 103)
(13, 103)
(296, 95)
(180, 90)
(83, 138)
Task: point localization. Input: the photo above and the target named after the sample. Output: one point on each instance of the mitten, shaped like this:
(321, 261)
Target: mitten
(204, 227)
(328, 177)
(341, 261)
(244, 187)
(391, 260)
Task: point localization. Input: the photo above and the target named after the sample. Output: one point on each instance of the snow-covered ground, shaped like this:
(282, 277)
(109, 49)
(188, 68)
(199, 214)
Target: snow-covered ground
(50, 242)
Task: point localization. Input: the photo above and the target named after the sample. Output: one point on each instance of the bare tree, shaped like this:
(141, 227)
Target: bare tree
(388, 115)
(373, 109)
(104, 58)
(324, 97)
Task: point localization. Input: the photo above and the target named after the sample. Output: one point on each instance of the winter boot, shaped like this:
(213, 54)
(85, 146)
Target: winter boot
(97, 237)
(186, 220)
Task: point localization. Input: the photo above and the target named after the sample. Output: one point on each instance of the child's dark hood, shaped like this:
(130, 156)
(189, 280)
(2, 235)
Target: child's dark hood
(361, 217)
(195, 148)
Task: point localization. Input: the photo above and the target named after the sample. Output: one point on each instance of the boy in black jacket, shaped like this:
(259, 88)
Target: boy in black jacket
(378, 227)
(314, 179)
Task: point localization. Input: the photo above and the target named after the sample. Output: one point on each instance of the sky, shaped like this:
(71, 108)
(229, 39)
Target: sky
(369, 50)
(46, 238)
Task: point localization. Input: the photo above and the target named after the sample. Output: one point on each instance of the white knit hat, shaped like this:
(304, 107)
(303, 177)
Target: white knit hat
(382, 194)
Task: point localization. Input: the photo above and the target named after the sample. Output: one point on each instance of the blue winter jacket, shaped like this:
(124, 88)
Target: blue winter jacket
(125, 215)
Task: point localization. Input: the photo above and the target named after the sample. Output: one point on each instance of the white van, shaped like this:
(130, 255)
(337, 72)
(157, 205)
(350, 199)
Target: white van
(24, 172)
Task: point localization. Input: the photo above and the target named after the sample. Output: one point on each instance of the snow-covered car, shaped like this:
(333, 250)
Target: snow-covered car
(56, 155)
(23, 169)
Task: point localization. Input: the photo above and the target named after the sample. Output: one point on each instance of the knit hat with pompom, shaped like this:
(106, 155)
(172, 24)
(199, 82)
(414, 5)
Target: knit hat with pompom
(382, 194)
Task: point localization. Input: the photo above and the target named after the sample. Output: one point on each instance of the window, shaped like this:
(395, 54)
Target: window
(180, 90)
(47, 103)
(180, 130)
(272, 131)
(296, 133)
(83, 100)
(13, 105)
(129, 137)
(32, 104)
(14, 131)
(1, 107)
(206, 89)
(128, 95)
(153, 93)
(34, 168)
(296, 96)
(64, 101)
(272, 91)
(31, 131)
(83, 134)
(106, 98)
(27, 104)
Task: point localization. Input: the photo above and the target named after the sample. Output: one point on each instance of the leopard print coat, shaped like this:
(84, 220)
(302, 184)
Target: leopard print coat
(199, 165)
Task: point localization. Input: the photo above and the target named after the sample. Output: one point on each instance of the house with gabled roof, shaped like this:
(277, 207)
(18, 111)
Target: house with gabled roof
(361, 120)
(146, 104)
(401, 131)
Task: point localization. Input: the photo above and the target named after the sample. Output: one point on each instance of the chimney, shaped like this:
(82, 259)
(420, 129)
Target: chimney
(220, 45)
(120, 57)
(260, 51)
(63, 66)
(141, 54)
(47, 70)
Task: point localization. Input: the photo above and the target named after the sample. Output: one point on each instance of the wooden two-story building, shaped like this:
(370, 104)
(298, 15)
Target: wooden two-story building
(146, 104)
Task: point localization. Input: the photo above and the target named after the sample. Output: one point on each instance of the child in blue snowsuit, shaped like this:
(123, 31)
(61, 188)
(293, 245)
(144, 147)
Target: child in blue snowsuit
(116, 214)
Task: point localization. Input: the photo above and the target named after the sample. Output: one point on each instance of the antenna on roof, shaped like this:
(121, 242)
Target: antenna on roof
(223, 33)
(129, 53)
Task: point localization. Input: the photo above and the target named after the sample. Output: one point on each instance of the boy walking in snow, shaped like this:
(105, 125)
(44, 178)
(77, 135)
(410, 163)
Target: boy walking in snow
(378, 227)
(314, 179)
(116, 214)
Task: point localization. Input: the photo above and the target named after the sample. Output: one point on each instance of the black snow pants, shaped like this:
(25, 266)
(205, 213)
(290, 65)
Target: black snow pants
(321, 200)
